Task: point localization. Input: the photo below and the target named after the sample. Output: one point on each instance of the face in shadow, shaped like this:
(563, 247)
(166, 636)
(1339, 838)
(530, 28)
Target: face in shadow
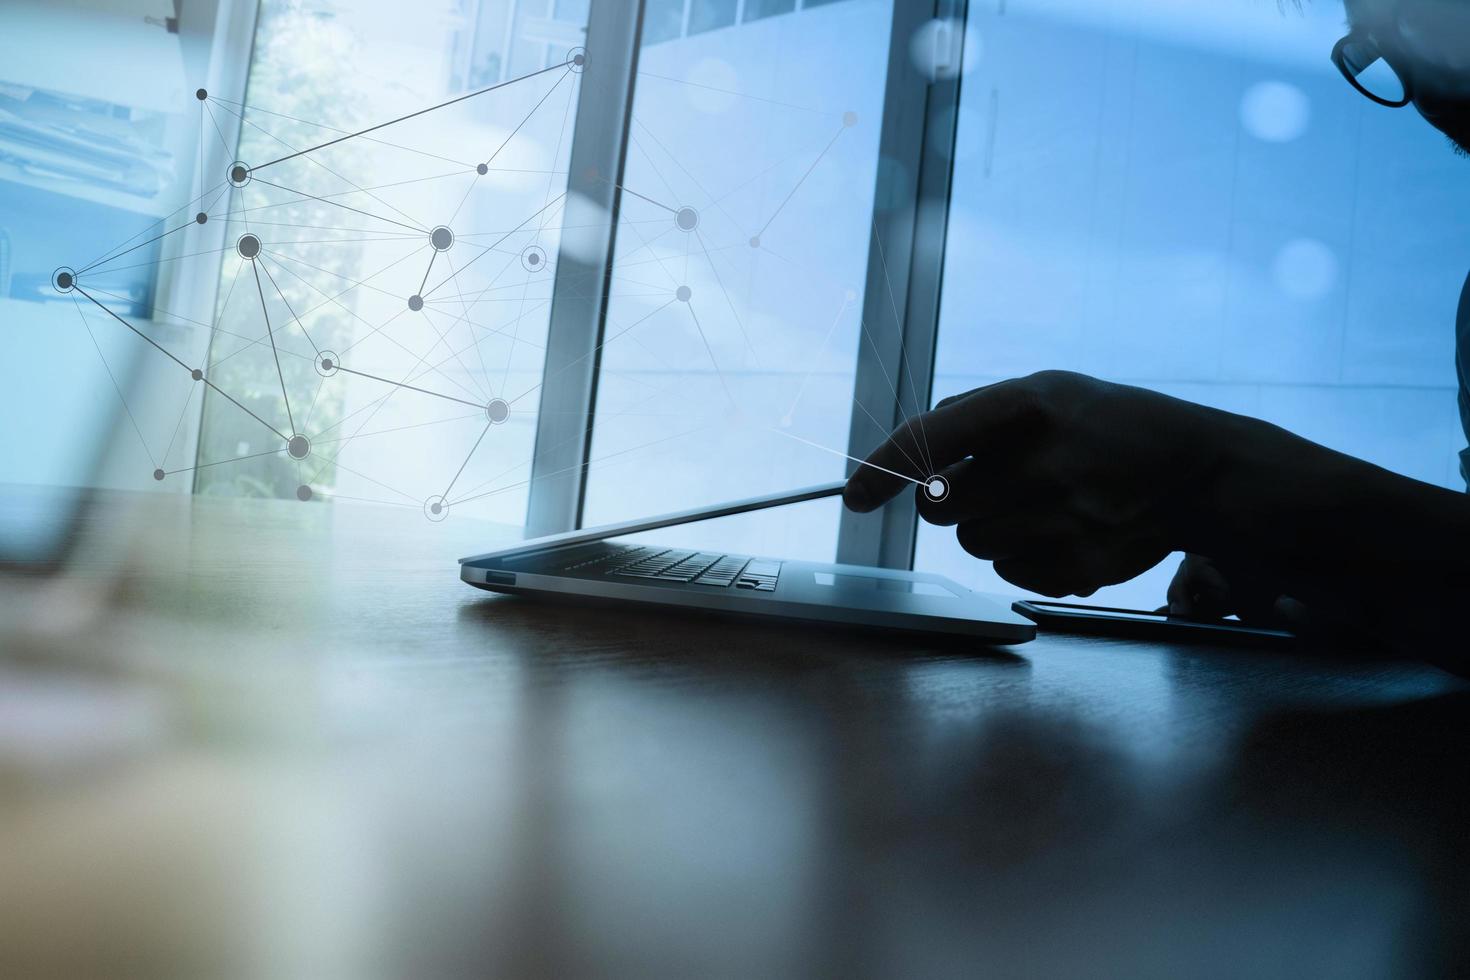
(1427, 42)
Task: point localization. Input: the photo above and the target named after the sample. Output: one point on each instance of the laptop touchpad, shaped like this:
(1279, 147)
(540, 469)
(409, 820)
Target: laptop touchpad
(869, 583)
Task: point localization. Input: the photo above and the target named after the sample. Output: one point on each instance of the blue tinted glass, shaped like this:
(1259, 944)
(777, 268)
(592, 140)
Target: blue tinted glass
(756, 9)
(1204, 208)
(706, 15)
(663, 20)
(737, 286)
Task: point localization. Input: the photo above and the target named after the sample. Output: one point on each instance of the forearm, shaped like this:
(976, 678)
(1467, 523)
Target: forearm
(1332, 529)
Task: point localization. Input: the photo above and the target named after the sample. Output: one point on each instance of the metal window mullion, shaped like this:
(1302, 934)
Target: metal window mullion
(189, 275)
(584, 267)
(895, 363)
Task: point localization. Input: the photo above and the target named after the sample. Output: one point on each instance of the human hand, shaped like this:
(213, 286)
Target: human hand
(1200, 589)
(1067, 483)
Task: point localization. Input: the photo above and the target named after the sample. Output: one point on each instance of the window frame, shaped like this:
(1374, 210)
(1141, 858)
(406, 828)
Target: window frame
(901, 301)
(905, 272)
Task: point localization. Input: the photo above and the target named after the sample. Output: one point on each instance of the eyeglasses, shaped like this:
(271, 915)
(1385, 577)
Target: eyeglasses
(1361, 62)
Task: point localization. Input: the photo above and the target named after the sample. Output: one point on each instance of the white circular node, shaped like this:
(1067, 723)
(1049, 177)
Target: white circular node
(248, 246)
(238, 174)
(936, 488)
(755, 241)
(436, 508)
(299, 447)
(442, 239)
(497, 411)
(849, 119)
(687, 219)
(159, 475)
(303, 493)
(683, 294)
(328, 363)
(415, 302)
(64, 279)
(533, 259)
(577, 59)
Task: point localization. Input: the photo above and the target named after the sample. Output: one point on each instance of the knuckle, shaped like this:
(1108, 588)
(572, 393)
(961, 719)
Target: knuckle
(1033, 407)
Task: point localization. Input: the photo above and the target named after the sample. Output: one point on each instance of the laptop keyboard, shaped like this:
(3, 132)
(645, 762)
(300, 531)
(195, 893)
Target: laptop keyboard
(709, 568)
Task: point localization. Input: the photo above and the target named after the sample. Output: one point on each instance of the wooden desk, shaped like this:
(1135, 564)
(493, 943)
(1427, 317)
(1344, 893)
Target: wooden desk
(296, 745)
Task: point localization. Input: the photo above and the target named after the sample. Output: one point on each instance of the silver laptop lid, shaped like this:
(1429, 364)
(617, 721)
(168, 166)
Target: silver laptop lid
(591, 534)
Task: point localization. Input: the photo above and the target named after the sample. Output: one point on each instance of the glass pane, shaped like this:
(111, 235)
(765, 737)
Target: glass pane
(741, 252)
(663, 20)
(1380, 79)
(1195, 202)
(706, 15)
(405, 274)
(756, 9)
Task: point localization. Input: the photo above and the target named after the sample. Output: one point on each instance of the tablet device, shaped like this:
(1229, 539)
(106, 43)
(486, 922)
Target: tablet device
(1137, 624)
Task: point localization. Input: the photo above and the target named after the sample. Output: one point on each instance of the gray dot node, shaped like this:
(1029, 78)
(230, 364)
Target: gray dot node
(497, 411)
(328, 363)
(436, 508)
(687, 219)
(64, 279)
(299, 447)
(197, 374)
(238, 174)
(159, 475)
(415, 302)
(442, 239)
(849, 119)
(533, 258)
(201, 95)
(577, 59)
(683, 294)
(303, 493)
(248, 246)
(482, 169)
(755, 241)
(201, 217)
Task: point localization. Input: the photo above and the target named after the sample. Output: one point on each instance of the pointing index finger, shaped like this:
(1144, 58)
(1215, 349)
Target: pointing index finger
(954, 431)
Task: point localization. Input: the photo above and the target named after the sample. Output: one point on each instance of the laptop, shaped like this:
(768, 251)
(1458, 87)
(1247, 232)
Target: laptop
(588, 565)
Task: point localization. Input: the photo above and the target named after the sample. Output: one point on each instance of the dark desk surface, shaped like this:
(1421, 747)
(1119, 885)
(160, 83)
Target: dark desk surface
(291, 743)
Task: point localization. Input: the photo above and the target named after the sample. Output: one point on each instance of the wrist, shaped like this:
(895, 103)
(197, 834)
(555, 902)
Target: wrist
(1251, 483)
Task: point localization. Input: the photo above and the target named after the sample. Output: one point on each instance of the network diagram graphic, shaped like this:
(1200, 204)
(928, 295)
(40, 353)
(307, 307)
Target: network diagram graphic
(433, 333)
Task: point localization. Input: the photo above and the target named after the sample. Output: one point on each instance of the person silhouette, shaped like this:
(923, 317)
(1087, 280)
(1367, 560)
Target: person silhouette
(1068, 483)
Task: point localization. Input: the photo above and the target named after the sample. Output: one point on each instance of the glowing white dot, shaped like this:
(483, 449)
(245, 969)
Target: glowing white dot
(1275, 112)
(1305, 269)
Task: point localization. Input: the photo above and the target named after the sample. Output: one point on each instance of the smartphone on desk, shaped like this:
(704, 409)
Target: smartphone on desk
(1138, 624)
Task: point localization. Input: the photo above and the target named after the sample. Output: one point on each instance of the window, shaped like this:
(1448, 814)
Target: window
(732, 333)
(706, 15)
(1193, 200)
(405, 275)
